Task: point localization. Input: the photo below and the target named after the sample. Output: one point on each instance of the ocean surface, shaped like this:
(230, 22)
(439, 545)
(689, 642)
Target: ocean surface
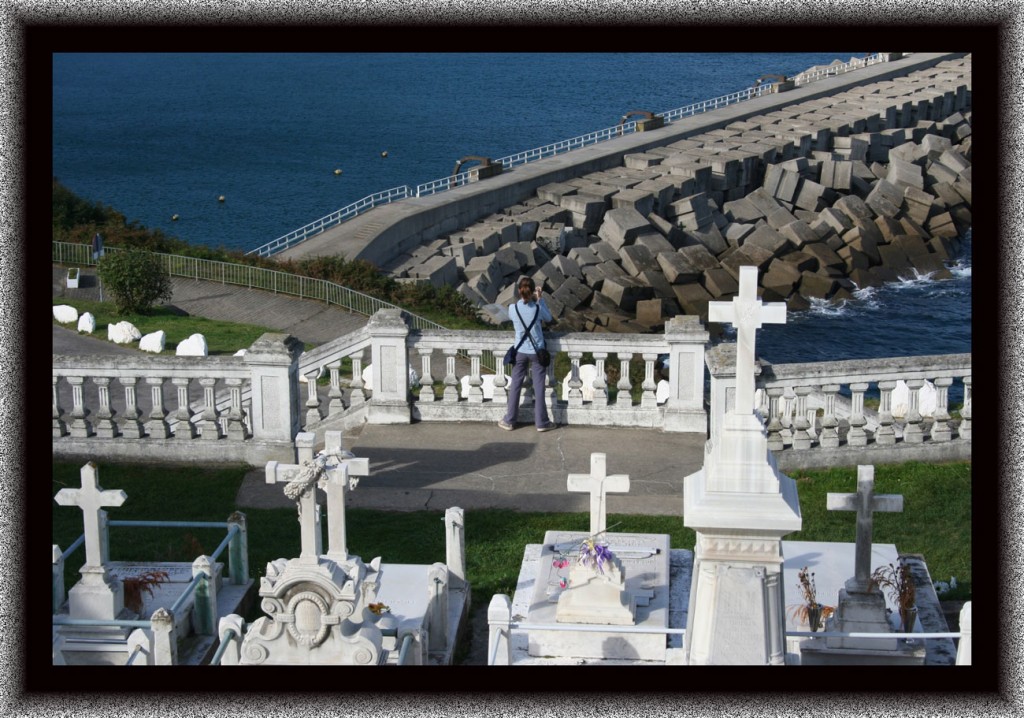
(156, 135)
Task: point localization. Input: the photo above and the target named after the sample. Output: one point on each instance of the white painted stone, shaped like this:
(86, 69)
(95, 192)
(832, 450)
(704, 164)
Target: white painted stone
(123, 333)
(414, 378)
(194, 346)
(65, 314)
(153, 342)
(87, 323)
(487, 386)
(662, 392)
(241, 353)
(588, 372)
(927, 400)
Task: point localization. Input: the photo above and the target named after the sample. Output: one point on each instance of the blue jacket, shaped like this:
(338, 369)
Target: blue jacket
(527, 310)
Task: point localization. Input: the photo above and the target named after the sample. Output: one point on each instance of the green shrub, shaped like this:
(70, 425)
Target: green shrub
(135, 278)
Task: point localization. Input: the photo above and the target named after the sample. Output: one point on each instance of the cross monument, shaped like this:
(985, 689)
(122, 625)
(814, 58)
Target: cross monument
(598, 483)
(747, 313)
(865, 503)
(91, 499)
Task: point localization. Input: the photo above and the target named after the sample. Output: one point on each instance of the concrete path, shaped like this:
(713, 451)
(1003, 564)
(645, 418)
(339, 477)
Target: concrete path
(435, 465)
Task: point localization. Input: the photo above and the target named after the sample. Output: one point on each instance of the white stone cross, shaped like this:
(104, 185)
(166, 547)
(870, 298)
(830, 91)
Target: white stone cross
(747, 314)
(598, 483)
(333, 468)
(865, 503)
(91, 498)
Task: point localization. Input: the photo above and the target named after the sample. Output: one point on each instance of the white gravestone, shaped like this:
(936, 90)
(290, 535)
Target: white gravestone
(740, 508)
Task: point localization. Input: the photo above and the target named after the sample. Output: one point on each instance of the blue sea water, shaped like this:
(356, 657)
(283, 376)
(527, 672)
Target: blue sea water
(158, 134)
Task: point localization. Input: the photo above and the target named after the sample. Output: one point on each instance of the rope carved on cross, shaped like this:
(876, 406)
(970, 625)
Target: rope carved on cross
(312, 473)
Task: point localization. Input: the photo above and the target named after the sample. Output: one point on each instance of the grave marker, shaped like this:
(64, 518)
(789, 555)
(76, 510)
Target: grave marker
(598, 483)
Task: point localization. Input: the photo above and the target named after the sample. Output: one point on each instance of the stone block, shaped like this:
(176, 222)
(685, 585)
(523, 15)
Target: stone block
(798, 233)
(942, 225)
(605, 251)
(767, 238)
(565, 266)
(474, 297)
(649, 312)
(690, 168)
(854, 207)
(625, 292)
(711, 239)
(803, 261)
(781, 183)
(780, 218)
(584, 257)
(853, 258)
(153, 342)
(657, 281)
(540, 255)
(641, 160)
(913, 228)
(654, 242)
(588, 211)
(763, 201)
(621, 226)
(816, 285)
(667, 229)
(904, 174)
(554, 192)
(662, 189)
(572, 293)
(194, 346)
(462, 253)
(736, 231)
(636, 258)
(781, 277)
(812, 196)
(836, 174)
(893, 256)
(440, 271)
(641, 201)
(943, 194)
(888, 228)
(527, 230)
(927, 263)
(719, 282)
(742, 210)
(484, 285)
(678, 269)
(693, 299)
(825, 255)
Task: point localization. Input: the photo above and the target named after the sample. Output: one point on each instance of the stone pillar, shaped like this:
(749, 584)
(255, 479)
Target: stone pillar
(59, 427)
(390, 360)
(499, 619)
(184, 429)
(236, 430)
(857, 436)
(81, 427)
(575, 395)
(913, 433)
(165, 640)
(312, 400)
(965, 413)
(649, 397)
(335, 399)
(774, 427)
(684, 410)
(357, 389)
(963, 650)
(451, 382)
(209, 424)
(204, 611)
(140, 649)
(104, 425)
(624, 398)
(437, 607)
(455, 546)
(238, 549)
(501, 382)
(157, 426)
(940, 429)
(601, 381)
(427, 377)
(273, 361)
(131, 427)
(802, 429)
(885, 435)
(476, 392)
(829, 423)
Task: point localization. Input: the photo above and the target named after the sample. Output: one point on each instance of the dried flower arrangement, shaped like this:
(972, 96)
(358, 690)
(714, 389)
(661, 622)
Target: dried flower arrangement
(898, 582)
(379, 608)
(135, 586)
(805, 612)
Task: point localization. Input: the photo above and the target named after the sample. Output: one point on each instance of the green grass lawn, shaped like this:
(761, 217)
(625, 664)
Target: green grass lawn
(936, 522)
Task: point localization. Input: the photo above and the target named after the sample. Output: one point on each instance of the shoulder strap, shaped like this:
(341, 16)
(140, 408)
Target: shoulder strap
(526, 334)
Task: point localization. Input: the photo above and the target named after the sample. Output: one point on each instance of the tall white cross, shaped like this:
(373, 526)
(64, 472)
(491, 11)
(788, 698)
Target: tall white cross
(335, 469)
(91, 498)
(598, 483)
(865, 503)
(747, 314)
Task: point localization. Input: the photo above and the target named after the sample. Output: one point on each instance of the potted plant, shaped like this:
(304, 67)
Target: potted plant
(73, 274)
(899, 584)
(810, 611)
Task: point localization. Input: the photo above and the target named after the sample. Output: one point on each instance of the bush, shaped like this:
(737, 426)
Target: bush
(135, 278)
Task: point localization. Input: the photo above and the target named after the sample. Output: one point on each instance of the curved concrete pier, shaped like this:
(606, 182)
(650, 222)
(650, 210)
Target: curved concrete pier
(386, 232)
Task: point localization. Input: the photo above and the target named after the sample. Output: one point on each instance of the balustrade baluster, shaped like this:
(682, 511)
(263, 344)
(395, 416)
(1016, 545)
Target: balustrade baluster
(104, 426)
(357, 392)
(940, 429)
(157, 426)
(236, 414)
(965, 413)
(774, 426)
(857, 436)
(209, 419)
(802, 430)
(829, 438)
(913, 432)
(426, 376)
(312, 399)
(600, 381)
(624, 397)
(787, 402)
(184, 428)
(81, 427)
(475, 394)
(131, 427)
(649, 397)
(575, 397)
(500, 382)
(886, 434)
(451, 382)
(335, 397)
(59, 427)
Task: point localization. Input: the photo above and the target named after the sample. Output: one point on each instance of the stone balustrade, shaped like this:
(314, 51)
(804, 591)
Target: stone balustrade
(815, 412)
(250, 408)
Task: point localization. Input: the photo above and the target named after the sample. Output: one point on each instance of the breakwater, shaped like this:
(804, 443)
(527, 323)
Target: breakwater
(849, 187)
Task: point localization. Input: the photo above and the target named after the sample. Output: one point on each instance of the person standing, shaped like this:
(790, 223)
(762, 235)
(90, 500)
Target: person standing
(528, 312)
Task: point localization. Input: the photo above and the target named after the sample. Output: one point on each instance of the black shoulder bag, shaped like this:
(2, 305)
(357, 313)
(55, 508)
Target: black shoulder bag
(510, 355)
(543, 355)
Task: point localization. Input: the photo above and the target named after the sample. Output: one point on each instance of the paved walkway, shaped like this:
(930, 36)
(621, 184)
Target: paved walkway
(435, 465)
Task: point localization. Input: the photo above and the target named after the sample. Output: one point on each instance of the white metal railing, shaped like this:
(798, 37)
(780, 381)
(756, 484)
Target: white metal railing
(557, 148)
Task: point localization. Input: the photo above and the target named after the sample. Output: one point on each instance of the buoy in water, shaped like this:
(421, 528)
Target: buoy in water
(221, 198)
(384, 153)
(337, 172)
(174, 218)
